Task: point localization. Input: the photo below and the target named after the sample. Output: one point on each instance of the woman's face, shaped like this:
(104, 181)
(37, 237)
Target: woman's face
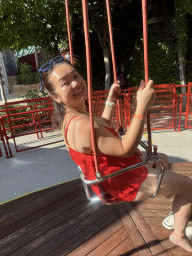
(70, 87)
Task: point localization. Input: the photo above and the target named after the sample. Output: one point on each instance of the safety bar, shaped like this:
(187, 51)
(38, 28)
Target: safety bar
(101, 179)
(149, 159)
(160, 177)
(85, 186)
(95, 198)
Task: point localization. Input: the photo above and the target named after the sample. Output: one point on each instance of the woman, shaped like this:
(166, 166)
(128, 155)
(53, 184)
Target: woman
(69, 91)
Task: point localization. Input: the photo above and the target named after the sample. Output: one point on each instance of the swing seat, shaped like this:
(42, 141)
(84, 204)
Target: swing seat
(106, 198)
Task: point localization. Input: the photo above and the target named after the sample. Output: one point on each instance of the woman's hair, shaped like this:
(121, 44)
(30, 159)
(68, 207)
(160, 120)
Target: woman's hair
(59, 108)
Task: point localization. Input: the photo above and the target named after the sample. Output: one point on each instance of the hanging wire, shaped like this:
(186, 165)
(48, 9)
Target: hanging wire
(89, 81)
(119, 121)
(69, 31)
(144, 14)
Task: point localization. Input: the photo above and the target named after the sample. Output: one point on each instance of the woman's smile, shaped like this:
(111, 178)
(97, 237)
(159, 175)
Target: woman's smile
(80, 92)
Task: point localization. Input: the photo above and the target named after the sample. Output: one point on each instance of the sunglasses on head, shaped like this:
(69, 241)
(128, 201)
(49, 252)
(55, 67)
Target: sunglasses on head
(49, 65)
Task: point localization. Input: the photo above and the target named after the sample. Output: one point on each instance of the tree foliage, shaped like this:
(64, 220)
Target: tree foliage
(32, 22)
(163, 56)
(26, 75)
(165, 39)
(98, 17)
(43, 23)
(180, 23)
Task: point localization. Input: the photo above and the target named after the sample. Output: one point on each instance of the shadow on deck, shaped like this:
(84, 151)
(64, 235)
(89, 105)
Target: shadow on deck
(61, 221)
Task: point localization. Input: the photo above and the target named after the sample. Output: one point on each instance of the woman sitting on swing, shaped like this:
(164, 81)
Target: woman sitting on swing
(69, 91)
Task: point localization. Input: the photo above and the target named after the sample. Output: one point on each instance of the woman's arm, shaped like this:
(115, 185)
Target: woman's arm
(107, 143)
(128, 145)
(109, 110)
(108, 114)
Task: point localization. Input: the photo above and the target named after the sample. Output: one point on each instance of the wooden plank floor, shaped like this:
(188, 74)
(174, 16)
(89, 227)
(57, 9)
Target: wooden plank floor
(61, 221)
(155, 210)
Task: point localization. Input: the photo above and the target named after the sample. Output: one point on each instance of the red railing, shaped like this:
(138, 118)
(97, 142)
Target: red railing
(183, 98)
(33, 117)
(128, 101)
(185, 109)
(3, 141)
(188, 119)
(163, 112)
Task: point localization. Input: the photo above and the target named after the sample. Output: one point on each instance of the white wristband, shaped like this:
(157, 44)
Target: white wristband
(111, 104)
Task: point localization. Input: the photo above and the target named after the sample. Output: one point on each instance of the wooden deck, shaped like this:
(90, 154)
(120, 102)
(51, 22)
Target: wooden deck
(61, 221)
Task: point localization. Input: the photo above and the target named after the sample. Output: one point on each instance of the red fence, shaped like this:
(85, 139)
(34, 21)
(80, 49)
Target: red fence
(163, 113)
(185, 109)
(188, 120)
(32, 118)
(27, 123)
(3, 141)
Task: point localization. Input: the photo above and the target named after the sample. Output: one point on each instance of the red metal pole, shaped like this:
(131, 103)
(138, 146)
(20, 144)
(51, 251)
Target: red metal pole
(89, 78)
(144, 14)
(6, 137)
(10, 124)
(2, 138)
(174, 115)
(176, 110)
(111, 40)
(180, 112)
(69, 31)
(187, 108)
(113, 58)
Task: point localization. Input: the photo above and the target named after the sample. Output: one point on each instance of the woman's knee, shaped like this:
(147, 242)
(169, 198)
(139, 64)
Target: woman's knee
(149, 186)
(172, 184)
(175, 184)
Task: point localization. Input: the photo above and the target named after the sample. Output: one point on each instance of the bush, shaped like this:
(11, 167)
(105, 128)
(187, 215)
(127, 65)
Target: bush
(26, 75)
(32, 94)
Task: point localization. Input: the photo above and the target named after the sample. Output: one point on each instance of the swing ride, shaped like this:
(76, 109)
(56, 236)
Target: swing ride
(61, 221)
(151, 158)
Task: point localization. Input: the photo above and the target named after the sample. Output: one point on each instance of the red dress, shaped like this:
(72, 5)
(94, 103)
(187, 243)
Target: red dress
(123, 187)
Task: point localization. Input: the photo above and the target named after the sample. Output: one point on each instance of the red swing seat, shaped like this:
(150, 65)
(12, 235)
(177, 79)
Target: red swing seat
(103, 194)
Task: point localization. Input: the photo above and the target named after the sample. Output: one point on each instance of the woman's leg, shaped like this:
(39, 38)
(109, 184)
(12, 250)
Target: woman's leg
(179, 186)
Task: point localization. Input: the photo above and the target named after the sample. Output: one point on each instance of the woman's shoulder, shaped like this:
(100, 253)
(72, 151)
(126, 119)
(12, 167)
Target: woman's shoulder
(83, 120)
(77, 130)
(72, 120)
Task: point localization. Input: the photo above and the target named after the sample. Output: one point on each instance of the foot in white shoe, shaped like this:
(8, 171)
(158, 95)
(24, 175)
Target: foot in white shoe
(168, 223)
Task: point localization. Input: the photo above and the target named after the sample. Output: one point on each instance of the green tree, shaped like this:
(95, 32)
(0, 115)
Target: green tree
(32, 22)
(167, 44)
(180, 23)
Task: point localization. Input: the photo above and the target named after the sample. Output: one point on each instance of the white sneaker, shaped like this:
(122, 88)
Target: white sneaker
(168, 222)
(188, 232)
